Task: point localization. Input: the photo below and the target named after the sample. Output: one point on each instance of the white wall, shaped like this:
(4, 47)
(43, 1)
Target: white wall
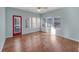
(69, 21)
(2, 27)
(25, 16)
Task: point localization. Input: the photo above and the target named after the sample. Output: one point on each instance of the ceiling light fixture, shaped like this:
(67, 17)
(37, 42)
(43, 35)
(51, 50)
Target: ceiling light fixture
(38, 9)
(41, 8)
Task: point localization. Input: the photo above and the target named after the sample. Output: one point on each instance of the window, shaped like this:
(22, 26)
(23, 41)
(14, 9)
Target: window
(38, 22)
(30, 22)
(57, 22)
(33, 20)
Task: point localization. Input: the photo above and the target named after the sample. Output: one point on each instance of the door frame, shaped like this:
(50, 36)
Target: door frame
(19, 33)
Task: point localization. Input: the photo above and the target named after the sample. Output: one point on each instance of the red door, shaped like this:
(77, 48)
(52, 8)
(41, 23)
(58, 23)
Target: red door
(17, 25)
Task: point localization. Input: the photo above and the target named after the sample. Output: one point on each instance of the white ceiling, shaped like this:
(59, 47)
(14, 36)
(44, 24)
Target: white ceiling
(34, 9)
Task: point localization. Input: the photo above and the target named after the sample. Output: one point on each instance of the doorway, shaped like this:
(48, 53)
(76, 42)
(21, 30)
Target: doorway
(48, 25)
(17, 25)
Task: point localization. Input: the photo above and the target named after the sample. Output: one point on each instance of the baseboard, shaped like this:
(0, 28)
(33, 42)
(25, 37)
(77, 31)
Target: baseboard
(56, 35)
(2, 45)
(9, 37)
(22, 34)
(73, 39)
(68, 38)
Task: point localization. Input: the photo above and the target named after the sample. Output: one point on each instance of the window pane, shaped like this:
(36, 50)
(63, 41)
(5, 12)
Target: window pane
(30, 22)
(33, 22)
(38, 22)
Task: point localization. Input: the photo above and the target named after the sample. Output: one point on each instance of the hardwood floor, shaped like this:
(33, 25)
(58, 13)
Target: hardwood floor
(40, 42)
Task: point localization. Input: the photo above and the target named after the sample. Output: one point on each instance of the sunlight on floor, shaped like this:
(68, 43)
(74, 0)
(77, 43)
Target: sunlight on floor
(53, 30)
(17, 45)
(55, 43)
(54, 40)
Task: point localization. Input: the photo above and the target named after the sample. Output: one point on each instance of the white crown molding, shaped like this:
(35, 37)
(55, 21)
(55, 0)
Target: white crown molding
(34, 9)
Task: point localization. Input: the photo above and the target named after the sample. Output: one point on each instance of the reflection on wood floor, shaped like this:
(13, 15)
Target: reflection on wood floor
(39, 42)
